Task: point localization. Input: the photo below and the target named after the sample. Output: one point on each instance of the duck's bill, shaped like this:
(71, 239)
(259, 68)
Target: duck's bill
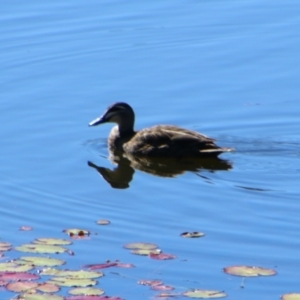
(97, 121)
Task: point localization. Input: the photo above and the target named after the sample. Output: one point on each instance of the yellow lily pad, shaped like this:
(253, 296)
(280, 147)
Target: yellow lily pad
(290, 296)
(40, 248)
(27, 296)
(86, 291)
(249, 271)
(40, 261)
(14, 267)
(72, 282)
(204, 294)
(52, 241)
(140, 246)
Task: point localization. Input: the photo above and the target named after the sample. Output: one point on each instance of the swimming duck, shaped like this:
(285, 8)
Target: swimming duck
(156, 141)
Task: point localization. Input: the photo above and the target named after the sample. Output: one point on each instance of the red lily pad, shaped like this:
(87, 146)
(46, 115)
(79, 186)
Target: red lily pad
(92, 298)
(21, 286)
(102, 222)
(5, 246)
(161, 256)
(150, 282)
(101, 266)
(162, 287)
(16, 276)
(25, 228)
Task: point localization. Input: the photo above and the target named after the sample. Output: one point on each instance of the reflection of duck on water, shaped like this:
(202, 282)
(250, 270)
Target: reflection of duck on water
(165, 167)
(156, 141)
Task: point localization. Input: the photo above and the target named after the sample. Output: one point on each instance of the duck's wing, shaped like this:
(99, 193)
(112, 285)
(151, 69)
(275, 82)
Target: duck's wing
(167, 140)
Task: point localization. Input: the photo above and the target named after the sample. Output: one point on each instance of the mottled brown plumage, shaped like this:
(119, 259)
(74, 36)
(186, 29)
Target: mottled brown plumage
(156, 141)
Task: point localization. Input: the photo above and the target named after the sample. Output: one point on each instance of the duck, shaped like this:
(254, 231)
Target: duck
(167, 141)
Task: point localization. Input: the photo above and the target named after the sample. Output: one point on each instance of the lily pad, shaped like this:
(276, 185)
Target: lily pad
(102, 222)
(81, 274)
(145, 252)
(72, 282)
(150, 282)
(140, 246)
(40, 261)
(86, 291)
(204, 294)
(52, 241)
(13, 267)
(249, 271)
(161, 256)
(21, 286)
(5, 246)
(75, 232)
(291, 296)
(41, 248)
(195, 234)
(27, 296)
(17, 276)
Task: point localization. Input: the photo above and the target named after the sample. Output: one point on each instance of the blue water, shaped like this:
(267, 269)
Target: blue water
(227, 69)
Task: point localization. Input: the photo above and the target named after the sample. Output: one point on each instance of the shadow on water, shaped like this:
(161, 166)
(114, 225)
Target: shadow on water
(122, 175)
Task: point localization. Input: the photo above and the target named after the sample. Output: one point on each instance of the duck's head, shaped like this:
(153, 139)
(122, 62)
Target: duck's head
(120, 113)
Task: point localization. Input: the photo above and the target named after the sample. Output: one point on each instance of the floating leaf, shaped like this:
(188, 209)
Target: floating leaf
(249, 271)
(194, 234)
(204, 294)
(25, 228)
(162, 287)
(40, 248)
(86, 291)
(72, 282)
(81, 274)
(150, 282)
(77, 233)
(52, 241)
(102, 222)
(92, 298)
(5, 246)
(291, 296)
(101, 266)
(145, 252)
(48, 287)
(40, 261)
(21, 286)
(13, 267)
(39, 297)
(15, 276)
(140, 246)
(161, 256)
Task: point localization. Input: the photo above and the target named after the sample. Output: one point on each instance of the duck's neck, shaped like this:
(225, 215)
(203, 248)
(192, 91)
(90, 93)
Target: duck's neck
(126, 126)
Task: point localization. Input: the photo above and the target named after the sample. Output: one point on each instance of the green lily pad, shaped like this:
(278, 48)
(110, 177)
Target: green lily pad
(40, 261)
(249, 271)
(13, 267)
(204, 294)
(86, 291)
(52, 241)
(40, 248)
(72, 282)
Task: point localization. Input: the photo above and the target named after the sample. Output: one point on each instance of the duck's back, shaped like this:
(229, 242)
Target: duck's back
(171, 141)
